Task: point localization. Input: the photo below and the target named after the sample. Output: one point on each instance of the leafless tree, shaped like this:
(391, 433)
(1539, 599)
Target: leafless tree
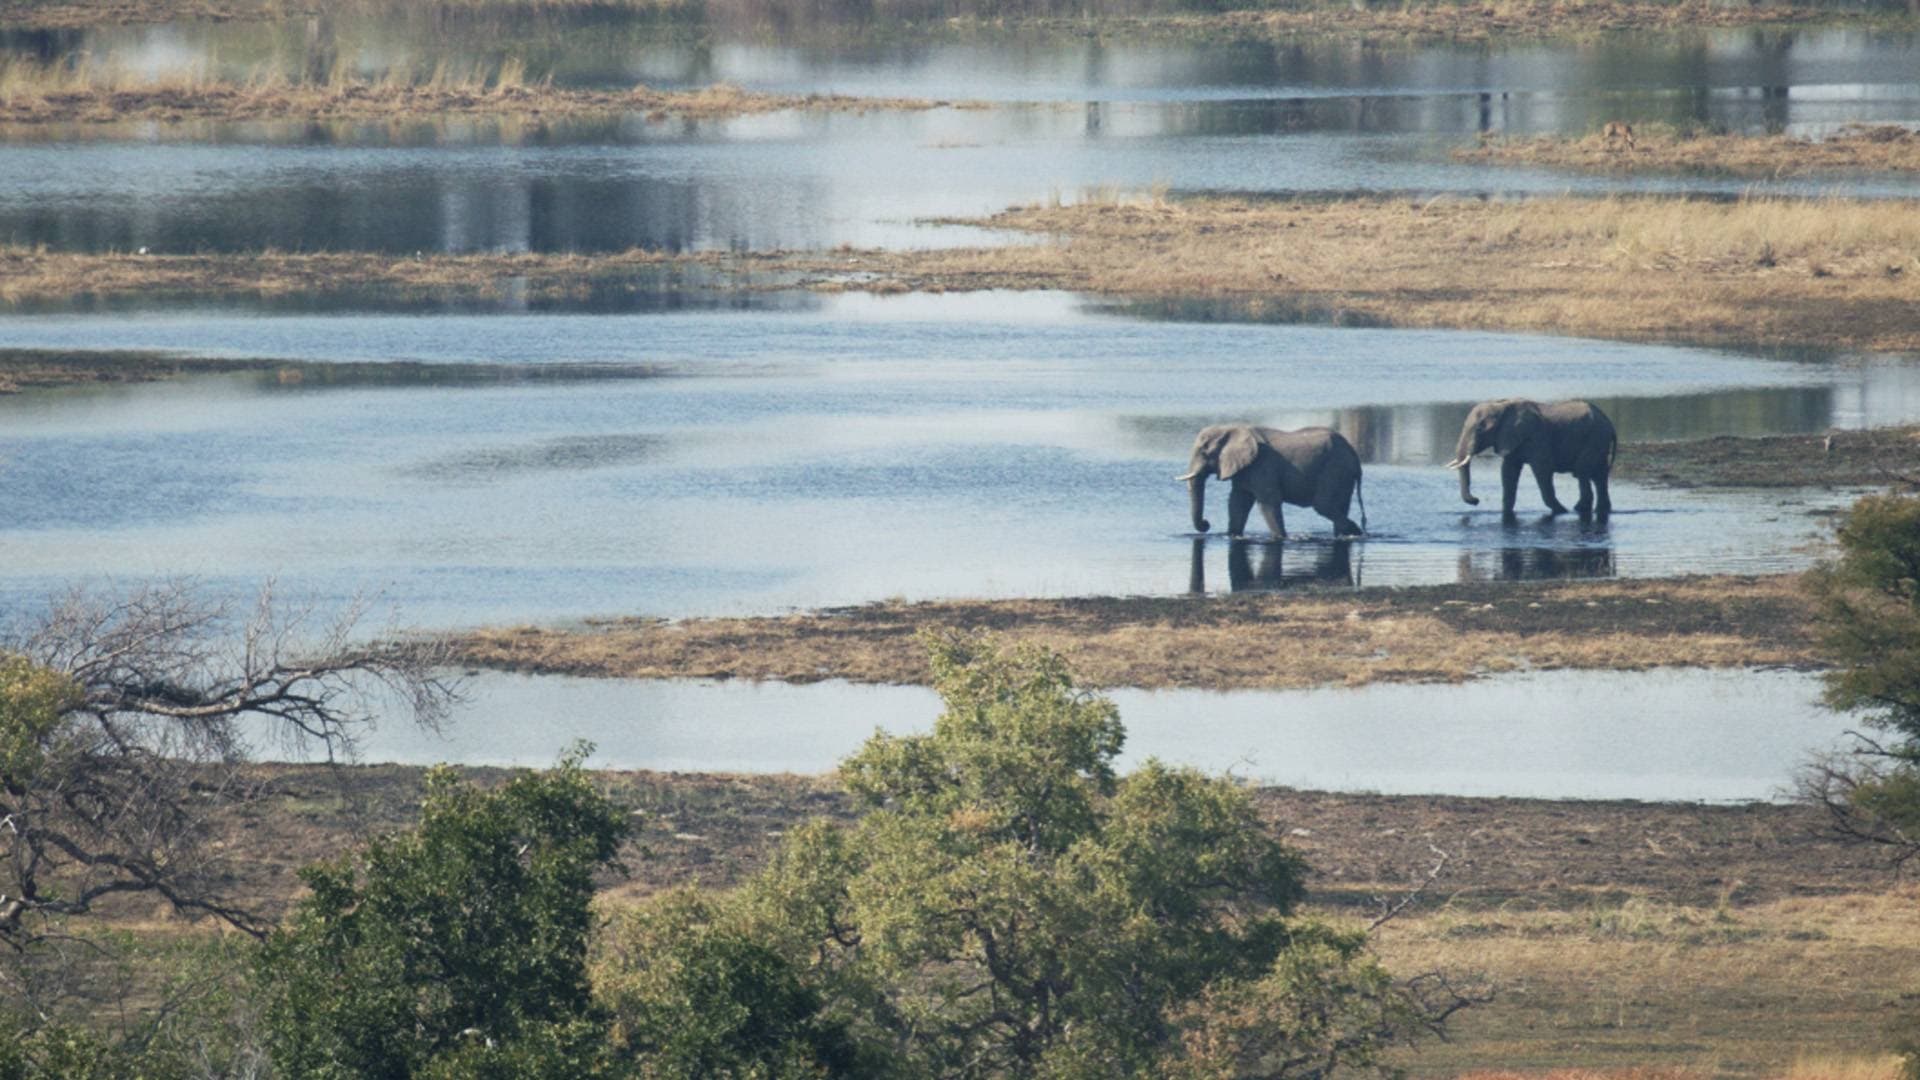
(161, 697)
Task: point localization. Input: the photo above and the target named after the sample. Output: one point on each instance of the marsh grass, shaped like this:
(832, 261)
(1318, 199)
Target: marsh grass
(1766, 273)
(1658, 148)
(1426, 634)
(33, 92)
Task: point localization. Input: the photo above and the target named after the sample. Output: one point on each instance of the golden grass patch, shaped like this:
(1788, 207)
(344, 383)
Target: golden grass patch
(1429, 634)
(1876, 148)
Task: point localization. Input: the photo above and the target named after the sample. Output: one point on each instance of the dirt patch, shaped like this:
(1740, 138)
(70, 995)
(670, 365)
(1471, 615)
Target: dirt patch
(1445, 633)
(1839, 459)
(1877, 148)
(1824, 274)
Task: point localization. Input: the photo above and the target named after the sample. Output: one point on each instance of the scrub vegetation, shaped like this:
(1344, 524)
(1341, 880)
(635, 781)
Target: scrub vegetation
(1002, 904)
(1858, 148)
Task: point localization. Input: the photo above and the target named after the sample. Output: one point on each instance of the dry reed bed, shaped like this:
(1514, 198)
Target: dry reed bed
(1881, 148)
(32, 94)
(1429, 634)
(1830, 273)
(1441, 19)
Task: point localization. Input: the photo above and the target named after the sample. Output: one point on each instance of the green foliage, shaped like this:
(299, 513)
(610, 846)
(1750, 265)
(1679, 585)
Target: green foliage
(1869, 614)
(1009, 906)
(33, 700)
(458, 949)
(694, 993)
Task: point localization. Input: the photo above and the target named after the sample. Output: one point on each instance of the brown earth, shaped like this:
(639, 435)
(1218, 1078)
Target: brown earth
(1441, 633)
(1841, 459)
(41, 369)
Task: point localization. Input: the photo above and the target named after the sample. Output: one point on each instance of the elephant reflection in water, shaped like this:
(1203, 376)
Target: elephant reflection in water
(1548, 561)
(1330, 564)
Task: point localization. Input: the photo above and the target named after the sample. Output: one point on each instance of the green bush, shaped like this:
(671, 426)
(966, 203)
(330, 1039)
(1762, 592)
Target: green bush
(1009, 906)
(1869, 616)
(458, 949)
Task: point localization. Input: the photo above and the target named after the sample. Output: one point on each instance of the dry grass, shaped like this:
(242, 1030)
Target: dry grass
(34, 93)
(1829, 273)
(1431, 19)
(1838, 459)
(1642, 988)
(1428, 634)
(1883, 148)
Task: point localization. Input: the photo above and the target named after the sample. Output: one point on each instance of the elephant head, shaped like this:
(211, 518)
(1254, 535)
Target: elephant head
(1504, 426)
(1222, 450)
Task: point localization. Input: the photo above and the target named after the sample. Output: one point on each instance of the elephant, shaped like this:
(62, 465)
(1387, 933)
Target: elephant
(1314, 467)
(1566, 436)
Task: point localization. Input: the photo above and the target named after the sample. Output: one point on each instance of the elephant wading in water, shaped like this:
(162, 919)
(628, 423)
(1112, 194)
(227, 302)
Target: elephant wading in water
(1566, 436)
(1314, 467)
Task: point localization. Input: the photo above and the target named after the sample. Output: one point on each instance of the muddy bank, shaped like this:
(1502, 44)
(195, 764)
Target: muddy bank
(1426, 634)
(1868, 459)
(1856, 149)
(39, 369)
(1828, 274)
(716, 829)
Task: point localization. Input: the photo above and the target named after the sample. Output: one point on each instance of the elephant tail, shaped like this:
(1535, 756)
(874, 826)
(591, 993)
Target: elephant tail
(1360, 492)
(1613, 448)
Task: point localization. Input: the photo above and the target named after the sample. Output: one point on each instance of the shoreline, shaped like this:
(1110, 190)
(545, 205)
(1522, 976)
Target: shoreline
(1352, 637)
(62, 101)
(1829, 275)
(1854, 150)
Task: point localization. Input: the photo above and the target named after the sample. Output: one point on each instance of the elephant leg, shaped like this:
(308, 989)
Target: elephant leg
(1331, 500)
(1543, 474)
(1604, 506)
(1585, 505)
(1239, 505)
(1276, 518)
(1509, 482)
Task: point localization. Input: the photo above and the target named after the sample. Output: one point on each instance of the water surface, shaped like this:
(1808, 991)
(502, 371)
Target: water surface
(980, 446)
(1660, 735)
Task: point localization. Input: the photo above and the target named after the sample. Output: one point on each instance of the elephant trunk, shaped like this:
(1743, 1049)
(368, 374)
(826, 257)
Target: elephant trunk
(1463, 460)
(1197, 497)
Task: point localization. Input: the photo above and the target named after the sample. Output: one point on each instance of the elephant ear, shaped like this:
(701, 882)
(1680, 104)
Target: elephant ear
(1517, 427)
(1238, 452)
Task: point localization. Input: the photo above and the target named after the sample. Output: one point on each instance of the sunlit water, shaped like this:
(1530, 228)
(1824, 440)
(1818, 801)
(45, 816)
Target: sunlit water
(984, 445)
(1320, 117)
(1679, 734)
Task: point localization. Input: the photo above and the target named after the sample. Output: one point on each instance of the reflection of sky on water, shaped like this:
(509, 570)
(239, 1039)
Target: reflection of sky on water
(781, 181)
(920, 446)
(1612, 735)
(1247, 117)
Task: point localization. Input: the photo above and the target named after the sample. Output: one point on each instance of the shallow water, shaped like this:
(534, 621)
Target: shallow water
(1319, 117)
(1670, 734)
(854, 450)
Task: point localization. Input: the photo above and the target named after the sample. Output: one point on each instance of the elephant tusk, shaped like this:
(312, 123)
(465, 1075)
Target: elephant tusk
(1457, 463)
(1187, 477)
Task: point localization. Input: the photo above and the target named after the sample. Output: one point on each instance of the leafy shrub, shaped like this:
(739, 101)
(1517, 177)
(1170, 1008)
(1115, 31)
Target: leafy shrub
(458, 949)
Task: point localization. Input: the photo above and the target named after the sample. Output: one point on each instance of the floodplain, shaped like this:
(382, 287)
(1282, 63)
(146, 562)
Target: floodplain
(680, 415)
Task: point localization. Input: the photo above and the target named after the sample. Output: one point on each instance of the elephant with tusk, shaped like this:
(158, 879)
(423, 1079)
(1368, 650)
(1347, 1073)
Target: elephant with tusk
(1314, 467)
(1566, 436)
